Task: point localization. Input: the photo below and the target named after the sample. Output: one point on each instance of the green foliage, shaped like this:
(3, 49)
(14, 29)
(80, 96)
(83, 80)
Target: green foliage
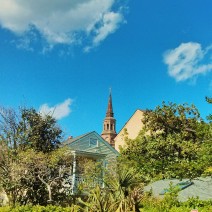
(123, 192)
(172, 118)
(197, 203)
(28, 129)
(35, 177)
(91, 171)
(170, 145)
(39, 133)
(97, 203)
(11, 175)
(29, 156)
(170, 203)
(171, 197)
(45, 173)
(174, 143)
(209, 100)
(37, 208)
(206, 151)
(127, 189)
(99, 200)
(9, 128)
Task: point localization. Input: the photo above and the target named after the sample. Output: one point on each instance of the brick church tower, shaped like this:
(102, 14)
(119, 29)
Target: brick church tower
(109, 124)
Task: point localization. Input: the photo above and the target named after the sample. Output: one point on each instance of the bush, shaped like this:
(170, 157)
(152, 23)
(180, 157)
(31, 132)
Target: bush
(170, 204)
(197, 203)
(148, 204)
(37, 208)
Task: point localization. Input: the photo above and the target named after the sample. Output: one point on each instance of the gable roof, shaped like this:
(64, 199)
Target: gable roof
(201, 187)
(70, 140)
(107, 144)
(74, 141)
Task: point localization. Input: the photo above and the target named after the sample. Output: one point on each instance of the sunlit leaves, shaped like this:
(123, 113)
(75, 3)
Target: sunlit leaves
(172, 143)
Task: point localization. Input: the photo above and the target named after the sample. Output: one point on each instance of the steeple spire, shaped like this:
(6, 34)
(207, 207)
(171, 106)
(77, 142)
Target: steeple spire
(109, 112)
(109, 124)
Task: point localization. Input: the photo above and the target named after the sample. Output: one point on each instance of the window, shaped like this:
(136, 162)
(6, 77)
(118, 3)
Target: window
(107, 126)
(93, 142)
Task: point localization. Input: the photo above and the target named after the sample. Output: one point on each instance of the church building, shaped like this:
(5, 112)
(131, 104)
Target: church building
(131, 128)
(109, 124)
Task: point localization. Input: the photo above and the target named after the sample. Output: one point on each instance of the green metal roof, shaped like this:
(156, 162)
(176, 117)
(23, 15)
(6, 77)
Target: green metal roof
(82, 143)
(88, 154)
(71, 140)
(200, 187)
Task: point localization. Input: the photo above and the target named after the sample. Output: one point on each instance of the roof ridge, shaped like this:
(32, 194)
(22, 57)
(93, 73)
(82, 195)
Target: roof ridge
(70, 140)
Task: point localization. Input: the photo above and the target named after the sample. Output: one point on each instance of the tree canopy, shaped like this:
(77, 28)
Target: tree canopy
(39, 132)
(171, 143)
(209, 100)
(29, 156)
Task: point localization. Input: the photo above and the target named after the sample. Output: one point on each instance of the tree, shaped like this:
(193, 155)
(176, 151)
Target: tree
(9, 129)
(9, 142)
(170, 143)
(48, 171)
(172, 119)
(40, 132)
(20, 134)
(13, 174)
(209, 100)
(207, 147)
(29, 129)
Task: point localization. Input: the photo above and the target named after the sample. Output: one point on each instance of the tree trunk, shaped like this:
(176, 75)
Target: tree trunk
(50, 192)
(48, 186)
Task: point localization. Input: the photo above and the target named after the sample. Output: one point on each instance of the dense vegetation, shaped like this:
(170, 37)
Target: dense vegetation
(175, 143)
(29, 156)
(148, 204)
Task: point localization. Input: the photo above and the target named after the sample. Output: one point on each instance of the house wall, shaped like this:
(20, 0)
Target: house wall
(102, 147)
(133, 127)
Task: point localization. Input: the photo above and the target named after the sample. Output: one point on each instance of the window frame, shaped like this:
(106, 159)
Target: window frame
(92, 144)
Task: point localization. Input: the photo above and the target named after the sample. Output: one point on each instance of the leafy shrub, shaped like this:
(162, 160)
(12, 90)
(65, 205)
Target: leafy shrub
(37, 208)
(171, 204)
(148, 204)
(197, 203)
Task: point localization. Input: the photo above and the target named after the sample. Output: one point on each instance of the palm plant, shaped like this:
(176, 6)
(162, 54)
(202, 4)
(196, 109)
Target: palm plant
(127, 189)
(123, 193)
(98, 200)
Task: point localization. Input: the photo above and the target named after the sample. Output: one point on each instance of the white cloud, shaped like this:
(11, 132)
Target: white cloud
(110, 23)
(62, 21)
(188, 60)
(58, 111)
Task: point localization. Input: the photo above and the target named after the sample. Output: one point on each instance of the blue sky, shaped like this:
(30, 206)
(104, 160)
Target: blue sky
(64, 56)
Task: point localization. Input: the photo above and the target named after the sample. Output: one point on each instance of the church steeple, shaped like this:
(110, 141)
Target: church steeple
(109, 124)
(110, 107)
